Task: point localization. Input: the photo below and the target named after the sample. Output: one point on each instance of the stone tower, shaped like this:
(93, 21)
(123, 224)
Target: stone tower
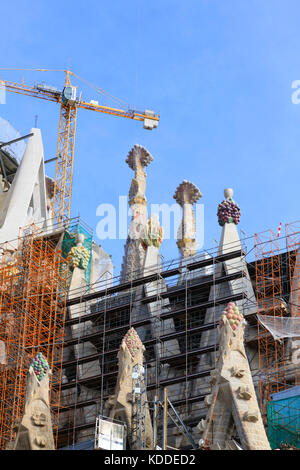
(131, 354)
(34, 429)
(138, 158)
(233, 406)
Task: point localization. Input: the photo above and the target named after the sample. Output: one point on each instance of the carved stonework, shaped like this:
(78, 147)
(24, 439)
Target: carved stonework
(152, 233)
(236, 371)
(34, 429)
(186, 195)
(251, 416)
(201, 426)
(138, 158)
(228, 210)
(39, 419)
(79, 256)
(120, 404)
(233, 398)
(244, 393)
(208, 400)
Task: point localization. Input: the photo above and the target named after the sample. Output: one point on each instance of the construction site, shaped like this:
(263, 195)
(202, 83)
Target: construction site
(201, 352)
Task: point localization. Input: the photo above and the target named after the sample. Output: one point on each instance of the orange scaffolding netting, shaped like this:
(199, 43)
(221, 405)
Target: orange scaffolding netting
(271, 353)
(293, 249)
(33, 293)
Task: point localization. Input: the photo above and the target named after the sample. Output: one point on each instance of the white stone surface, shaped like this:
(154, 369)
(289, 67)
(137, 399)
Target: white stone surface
(25, 201)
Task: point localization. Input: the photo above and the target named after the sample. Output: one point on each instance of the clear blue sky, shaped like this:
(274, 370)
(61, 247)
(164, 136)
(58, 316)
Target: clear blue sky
(218, 72)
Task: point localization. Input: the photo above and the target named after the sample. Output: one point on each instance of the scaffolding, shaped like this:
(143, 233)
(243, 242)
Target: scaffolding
(284, 419)
(170, 322)
(293, 249)
(139, 403)
(77, 226)
(33, 293)
(271, 354)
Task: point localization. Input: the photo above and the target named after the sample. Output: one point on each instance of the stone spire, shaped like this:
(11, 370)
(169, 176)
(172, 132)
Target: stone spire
(186, 195)
(138, 158)
(232, 402)
(120, 405)
(228, 217)
(34, 428)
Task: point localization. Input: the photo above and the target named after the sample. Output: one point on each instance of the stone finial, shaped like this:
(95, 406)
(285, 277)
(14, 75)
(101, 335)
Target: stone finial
(78, 255)
(187, 193)
(34, 428)
(234, 403)
(133, 342)
(121, 403)
(138, 153)
(40, 366)
(228, 193)
(228, 210)
(232, 315)
(138, 158)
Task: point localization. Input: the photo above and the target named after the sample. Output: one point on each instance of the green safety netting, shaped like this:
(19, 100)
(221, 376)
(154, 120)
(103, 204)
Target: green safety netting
(284, 422)
(70, 240)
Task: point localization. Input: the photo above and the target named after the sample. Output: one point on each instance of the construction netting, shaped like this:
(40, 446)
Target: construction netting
(70, 241)
(284, 422)
(281, 327)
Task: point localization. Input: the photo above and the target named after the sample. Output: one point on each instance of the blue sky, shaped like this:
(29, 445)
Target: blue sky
(218, 72)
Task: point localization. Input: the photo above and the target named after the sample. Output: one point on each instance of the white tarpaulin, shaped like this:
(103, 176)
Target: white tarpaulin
(110, 435)
(281, 327)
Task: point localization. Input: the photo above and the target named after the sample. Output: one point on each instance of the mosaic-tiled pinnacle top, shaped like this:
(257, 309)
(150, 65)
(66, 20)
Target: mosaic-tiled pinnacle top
(187, 192)
(228, 210)
(233, 315)
(133, 342)
(40, 366)
(142, 153)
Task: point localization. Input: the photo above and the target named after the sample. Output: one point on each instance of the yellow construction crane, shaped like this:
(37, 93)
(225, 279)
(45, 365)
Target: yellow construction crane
(69, 103)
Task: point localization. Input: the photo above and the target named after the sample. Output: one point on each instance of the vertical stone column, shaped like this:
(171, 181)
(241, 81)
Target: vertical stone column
(228, 218)
(233, 403)
(138, 158)
(78, 259)
(120, 404)
(186, 195)
(34, 428)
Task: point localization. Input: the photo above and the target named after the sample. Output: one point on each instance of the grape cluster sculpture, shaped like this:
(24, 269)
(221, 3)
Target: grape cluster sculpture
(79, 257)
(40, 366)
(233, 316)
(228, 212)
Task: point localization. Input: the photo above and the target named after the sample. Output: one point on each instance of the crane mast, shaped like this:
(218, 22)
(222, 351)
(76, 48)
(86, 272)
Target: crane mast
(65, 158)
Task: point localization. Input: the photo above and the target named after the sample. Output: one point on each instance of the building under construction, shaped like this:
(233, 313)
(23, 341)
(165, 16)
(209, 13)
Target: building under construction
(59, 296)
